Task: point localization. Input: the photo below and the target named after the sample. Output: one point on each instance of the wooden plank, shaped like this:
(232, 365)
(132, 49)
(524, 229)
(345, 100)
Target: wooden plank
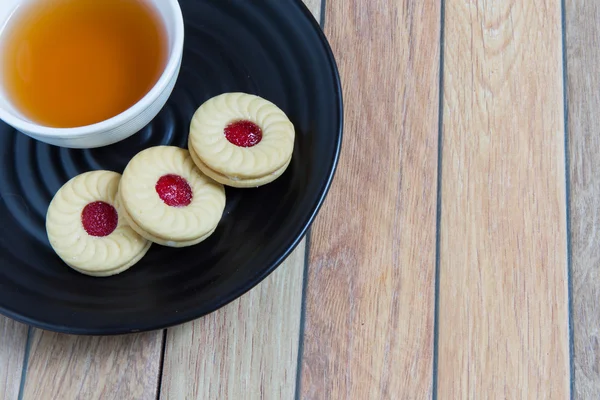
(102, 368)
(13, 339)
(370, 293)
(503, 305)
(247, 350)
(583, 66)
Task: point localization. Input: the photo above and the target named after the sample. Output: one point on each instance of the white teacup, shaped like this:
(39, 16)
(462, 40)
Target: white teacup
(123, 125)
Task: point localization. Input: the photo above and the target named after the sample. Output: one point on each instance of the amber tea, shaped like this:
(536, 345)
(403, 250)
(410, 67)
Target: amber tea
(71, 63)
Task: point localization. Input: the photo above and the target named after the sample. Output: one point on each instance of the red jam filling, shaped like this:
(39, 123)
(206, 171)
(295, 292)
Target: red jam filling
(99, 219)
(174, 191)
(243, 133)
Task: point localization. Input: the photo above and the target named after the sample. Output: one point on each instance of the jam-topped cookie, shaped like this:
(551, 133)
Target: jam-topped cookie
(85, 229)
(241, 140)
(167, 200)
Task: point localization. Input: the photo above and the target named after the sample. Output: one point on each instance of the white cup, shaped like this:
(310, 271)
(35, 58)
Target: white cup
(123, 125)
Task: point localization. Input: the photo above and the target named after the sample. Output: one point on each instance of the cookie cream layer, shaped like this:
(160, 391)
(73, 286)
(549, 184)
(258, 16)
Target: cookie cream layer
(237, 182)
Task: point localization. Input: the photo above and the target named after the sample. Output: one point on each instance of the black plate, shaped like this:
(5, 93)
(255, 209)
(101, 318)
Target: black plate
(273, 49)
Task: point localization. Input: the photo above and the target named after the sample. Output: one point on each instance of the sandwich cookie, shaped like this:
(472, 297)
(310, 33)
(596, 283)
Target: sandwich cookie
(241, 140)
(167, 200)
(86, 230)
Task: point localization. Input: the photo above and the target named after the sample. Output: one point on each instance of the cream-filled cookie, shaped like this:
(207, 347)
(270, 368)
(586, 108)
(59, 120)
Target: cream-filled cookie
(241, 140)
(85, 229)
(167, 200)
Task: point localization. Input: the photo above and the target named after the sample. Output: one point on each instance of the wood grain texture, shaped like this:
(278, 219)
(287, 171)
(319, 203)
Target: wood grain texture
(583, 66)
(246, 350)
(370, 294)
(93, 368)
(503, 316)
(13, 339)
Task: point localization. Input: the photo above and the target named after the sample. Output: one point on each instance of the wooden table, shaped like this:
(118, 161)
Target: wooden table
(457, 255)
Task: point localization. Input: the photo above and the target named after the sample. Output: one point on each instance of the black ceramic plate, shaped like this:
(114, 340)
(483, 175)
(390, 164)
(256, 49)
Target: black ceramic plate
(273, 49)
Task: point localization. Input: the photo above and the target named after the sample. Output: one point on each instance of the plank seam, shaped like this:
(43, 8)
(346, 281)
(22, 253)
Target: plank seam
(161, 364)
(300, 354)
(436, 318)
(322, 17)
(568, 200)
(25, 362)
